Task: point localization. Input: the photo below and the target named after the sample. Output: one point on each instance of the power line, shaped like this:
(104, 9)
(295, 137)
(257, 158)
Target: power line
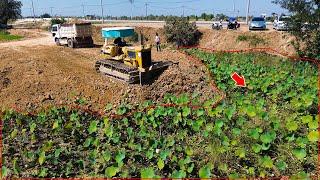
(176, 2)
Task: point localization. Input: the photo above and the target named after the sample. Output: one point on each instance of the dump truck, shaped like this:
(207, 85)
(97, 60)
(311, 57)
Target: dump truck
(131, 64)
(73, 35)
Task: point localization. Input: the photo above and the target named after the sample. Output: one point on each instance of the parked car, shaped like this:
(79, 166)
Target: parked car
(232, 23)
(280, 24)
(5, 26)
(258, 23)
(217, 25)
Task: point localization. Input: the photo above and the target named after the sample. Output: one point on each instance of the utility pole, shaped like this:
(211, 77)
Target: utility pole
(146, 9)
(182, 11)
(84, 16)
(132, 1)
(234, 8)
(34, 15)
(214, 17)
(248, 10)
(51, 10)
(102, 11)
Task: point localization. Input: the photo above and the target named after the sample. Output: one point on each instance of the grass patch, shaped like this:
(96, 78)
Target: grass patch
(6, 36)
(253, 40)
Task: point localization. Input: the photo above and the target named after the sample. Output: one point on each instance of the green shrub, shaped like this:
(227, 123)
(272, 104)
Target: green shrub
(253, 40)
(58, 21)
(180, 31)
(304, 25)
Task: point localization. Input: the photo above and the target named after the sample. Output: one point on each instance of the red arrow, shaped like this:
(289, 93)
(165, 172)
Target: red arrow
(239, 80)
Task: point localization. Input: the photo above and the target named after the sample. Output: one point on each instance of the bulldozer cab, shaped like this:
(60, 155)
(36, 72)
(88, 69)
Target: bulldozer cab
(117, 34)
(136, 56)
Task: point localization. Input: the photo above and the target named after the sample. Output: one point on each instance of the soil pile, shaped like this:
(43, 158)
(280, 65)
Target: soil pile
(228, 39)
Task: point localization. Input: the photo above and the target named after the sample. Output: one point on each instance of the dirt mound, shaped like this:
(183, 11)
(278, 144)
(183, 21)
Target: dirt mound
(27, 33)
(228, 39)
(187, 77)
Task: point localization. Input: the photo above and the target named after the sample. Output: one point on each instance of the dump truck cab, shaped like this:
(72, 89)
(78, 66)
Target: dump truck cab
(54, 29)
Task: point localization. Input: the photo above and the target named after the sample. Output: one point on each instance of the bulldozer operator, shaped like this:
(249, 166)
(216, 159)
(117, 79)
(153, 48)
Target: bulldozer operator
(118, 41)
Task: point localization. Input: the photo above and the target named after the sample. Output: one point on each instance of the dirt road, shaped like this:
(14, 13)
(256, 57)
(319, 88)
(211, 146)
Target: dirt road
(37, 38)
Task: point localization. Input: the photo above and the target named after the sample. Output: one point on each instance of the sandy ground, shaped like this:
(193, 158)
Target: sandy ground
(31, 38)
(34, 76)
(35, 73)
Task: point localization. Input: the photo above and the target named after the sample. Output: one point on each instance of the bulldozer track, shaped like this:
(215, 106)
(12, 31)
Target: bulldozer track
(131, 72)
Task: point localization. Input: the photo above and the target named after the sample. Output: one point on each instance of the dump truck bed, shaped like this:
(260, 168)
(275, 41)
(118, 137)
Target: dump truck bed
(76, 30)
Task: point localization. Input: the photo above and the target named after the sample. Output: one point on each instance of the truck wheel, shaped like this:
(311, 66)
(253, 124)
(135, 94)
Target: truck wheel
(70, 43)
(57, 42)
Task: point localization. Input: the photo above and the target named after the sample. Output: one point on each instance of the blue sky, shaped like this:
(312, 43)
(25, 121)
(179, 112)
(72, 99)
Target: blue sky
(157, 7)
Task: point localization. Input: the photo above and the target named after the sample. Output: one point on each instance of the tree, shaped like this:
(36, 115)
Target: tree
(9, 10)
(204, 16)
(180, 31)
(58, 21)
(304, 25)
(45, 15)
(221, 17)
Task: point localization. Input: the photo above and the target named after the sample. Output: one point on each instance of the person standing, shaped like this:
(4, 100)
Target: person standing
(157, 40)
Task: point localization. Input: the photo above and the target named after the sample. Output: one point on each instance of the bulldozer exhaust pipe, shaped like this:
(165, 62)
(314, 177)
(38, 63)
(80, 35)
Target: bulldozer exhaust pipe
(141, 39)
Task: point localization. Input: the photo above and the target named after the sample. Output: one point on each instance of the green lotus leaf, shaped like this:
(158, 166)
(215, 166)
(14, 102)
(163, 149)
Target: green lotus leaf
(306, 119)
(204, 172)
(160, 164)
(266, 162)
(93, 127)
(281, 165)
(300, 153)
(313, 124)
(291, 126)
(111, 171)
(256, 148)
(147, 173)
(313, 136)
(178, 174)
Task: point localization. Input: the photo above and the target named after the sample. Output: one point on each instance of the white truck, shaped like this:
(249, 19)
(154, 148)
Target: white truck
(280, 23)
(73, 35)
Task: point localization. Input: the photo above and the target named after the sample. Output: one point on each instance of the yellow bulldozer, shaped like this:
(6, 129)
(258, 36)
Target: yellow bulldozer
(126, 62)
